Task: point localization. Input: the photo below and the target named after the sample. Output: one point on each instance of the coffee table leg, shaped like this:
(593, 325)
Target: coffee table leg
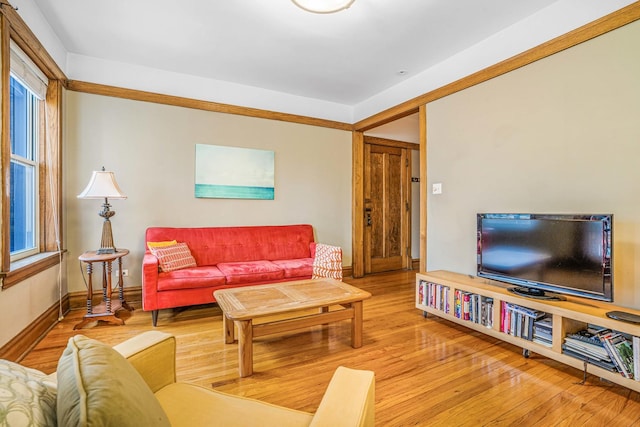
(356, 325)
(245, 347)
(227, 326)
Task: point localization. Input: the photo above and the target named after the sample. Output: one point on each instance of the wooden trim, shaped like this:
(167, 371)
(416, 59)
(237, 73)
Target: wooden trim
(423, 187)
(26, 340)
(51, 171)
(387, 116)
(580, 35)
(357, 210)
(5, 145)
(177, 101)
(406, 209)
(347, 271)
(22, 270)
(29, 43)
(390, 142)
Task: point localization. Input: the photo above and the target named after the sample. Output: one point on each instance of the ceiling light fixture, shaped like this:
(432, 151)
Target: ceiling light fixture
(323, 6)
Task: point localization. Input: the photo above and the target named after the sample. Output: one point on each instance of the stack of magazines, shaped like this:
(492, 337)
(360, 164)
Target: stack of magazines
(543, 331)
(611, 350)
(585, 345)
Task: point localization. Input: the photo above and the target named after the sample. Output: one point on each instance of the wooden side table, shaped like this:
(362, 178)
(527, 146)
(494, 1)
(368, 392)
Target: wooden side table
(106, 310)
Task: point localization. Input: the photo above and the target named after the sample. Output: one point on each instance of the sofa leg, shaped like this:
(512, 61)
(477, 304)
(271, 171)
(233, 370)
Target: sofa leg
(154, 317)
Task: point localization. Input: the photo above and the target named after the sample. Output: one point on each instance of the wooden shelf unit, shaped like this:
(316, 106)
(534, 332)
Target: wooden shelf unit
(568, 316)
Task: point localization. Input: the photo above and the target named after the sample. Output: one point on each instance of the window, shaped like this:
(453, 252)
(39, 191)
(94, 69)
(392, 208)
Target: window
(24, 128)
(27, 90)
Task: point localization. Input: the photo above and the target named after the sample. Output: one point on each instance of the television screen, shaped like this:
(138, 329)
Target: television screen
(567, 254)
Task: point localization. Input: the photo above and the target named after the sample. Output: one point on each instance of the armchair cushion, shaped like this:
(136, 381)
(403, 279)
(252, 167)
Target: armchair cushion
(96, 383)
(27, 396)
(191, 405)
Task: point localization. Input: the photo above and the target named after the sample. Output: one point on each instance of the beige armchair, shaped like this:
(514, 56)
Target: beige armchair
(87, 390)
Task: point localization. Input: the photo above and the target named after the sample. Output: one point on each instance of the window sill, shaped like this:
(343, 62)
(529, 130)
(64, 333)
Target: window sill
(29, 266)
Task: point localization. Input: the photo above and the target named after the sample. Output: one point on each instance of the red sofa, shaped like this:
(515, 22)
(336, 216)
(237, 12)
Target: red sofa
(226, 257)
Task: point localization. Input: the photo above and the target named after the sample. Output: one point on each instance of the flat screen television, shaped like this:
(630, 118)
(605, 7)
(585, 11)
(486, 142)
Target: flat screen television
(539, 253)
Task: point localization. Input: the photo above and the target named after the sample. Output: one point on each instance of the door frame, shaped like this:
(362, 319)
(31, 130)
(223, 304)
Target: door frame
(358, 221)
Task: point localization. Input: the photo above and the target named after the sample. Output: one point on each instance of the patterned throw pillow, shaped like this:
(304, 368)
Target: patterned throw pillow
(174, 257)
(327, 262)
(161, 244)
(27, 396)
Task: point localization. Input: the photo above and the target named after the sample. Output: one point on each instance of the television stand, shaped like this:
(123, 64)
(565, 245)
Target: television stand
(436, 293)
(535, 293)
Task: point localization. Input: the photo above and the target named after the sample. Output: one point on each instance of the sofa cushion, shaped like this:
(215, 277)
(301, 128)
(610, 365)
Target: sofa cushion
(190, 405)
(27, 396)
(174, 257)
(189, 278)
(301, 268)
(98, 386)
(213, 245)
(250, 272)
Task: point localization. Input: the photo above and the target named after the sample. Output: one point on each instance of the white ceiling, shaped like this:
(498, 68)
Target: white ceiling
(271, 55)
(345, 57)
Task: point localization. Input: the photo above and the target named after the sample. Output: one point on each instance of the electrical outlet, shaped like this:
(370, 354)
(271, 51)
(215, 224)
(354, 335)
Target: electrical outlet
(125, 272)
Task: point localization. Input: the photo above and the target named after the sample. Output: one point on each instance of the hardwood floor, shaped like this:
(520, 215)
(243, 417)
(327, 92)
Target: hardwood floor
(428, 371)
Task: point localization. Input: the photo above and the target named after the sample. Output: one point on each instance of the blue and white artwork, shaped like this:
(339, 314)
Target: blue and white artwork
(234, 173)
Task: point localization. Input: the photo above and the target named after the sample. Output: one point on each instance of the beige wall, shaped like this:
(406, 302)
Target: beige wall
(561, 135)
(21, 304)
(151, 149)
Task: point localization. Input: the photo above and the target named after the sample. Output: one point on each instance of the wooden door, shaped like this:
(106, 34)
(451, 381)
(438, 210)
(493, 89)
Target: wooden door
(386, 208)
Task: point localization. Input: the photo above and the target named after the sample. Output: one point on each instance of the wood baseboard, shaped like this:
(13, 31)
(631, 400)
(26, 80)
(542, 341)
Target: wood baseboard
(16, 349)
(415, 264)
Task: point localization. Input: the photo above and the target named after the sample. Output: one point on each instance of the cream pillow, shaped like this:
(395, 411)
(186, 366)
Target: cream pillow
(27, 396)
(97, 386)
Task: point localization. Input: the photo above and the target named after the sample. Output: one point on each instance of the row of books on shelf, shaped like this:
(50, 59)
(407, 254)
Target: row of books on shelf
(473, 307)
(434, 295)
(608, 349)
(526, 323)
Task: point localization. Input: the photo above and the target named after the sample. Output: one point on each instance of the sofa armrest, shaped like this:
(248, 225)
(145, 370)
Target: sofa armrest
(153, 354)
(348, 401)
(150, 271)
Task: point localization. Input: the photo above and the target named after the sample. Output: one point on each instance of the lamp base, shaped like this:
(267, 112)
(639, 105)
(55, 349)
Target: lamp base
(106, 243)
(103, 251)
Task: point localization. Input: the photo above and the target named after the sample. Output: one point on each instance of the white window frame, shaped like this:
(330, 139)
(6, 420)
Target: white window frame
(23, 70)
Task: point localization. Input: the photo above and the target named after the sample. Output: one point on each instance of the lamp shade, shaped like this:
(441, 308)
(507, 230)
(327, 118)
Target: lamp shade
(323, 6)
(102, 185)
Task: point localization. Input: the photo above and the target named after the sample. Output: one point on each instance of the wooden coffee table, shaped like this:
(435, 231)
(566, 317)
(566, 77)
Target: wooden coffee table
(240, 306)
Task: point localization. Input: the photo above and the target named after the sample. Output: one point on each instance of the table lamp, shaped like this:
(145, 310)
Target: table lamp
(103, 185)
